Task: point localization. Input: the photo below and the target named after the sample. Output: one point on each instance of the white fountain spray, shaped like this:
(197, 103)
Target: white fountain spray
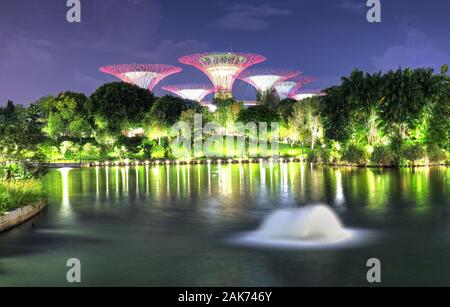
(309, 227)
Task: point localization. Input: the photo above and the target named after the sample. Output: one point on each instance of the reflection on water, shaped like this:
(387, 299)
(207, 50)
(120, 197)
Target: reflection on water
(171, 225)
(290, 184)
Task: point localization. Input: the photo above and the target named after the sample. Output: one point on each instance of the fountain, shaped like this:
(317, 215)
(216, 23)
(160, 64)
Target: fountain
(312, 226)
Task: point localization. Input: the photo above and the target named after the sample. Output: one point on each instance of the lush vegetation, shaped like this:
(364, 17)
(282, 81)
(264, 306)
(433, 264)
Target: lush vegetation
(19, 187)
(398, 118)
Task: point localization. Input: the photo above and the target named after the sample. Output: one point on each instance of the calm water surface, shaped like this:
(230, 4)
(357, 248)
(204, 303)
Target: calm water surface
(171, 226)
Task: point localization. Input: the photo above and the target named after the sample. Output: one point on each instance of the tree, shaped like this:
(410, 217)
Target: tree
(405, 95)
(167, 110)
(227, 112)
(258, 114)
(116, 107)
(336, 114)
(306, 122)
(68, 117)
(269, 98)
(20, 131)
(439, 131)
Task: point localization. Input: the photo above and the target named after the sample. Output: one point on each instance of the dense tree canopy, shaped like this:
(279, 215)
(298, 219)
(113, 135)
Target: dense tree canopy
(120, 106)
(399, 117)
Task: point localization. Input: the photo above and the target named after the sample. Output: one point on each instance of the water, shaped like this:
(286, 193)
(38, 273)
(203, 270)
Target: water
(174, 226)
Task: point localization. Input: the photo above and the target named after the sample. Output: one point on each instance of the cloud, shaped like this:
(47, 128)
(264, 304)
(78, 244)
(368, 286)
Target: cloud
(169, 50)
(28, 49)
(353, 6)
(418, 51)
(243, 16)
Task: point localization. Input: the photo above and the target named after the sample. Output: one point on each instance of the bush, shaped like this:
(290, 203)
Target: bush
(69, 150)
(383, 155)
(436, 154)
(316, 156)
(15, 171)
(158, 152)
(91, 152)
(333, 154)
(17, 194)
(355, 155)
(413, 153)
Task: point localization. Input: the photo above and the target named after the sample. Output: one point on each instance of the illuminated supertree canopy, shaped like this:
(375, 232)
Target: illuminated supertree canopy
(222, 68)
(303, 94)
(195, 92)
(146, 76)
(265, 80)
(290, 88)
(285, 88)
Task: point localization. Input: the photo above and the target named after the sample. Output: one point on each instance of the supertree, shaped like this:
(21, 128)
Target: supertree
(288, 89)
(146, 76)
(195, 92)
(222, 68)
(265, 80)
(303, 94)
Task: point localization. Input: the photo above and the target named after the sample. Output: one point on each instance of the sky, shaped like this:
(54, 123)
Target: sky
(41, 53)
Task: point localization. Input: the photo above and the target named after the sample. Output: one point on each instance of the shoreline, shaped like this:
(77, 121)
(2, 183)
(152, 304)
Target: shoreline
(224, 162)
(19, 216)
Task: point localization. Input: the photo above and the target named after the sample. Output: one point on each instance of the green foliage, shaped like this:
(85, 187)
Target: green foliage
(355, 155)
(68, 117)
(413, 153)
(118, 106)
(15, 171)
(317, 155)
(383, 155)
(258, 114)
(227, 112)
(158, 152)
(167, 110)
(436, 154)
(285, 109)
(16, 194)
(305, 123)
(269, 98)
(20, 131)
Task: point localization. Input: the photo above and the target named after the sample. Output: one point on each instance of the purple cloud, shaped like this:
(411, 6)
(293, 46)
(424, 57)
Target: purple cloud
(169, 51)
(352, 5)
(419, 51)
(243, 16)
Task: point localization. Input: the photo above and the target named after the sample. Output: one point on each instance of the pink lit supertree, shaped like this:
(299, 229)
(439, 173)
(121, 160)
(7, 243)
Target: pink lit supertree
(146, 76)
(265, 80)
(290, 88)
(195, 92)
(222, 68)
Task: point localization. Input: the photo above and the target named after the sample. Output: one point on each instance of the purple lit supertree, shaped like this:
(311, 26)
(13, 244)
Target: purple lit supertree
(265, 80)
(290, 88)
(146, 76)
(222, 68)
(195, 92)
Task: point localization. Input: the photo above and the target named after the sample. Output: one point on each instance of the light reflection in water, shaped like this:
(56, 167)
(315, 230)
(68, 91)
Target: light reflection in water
(340, 198)
(291, 184)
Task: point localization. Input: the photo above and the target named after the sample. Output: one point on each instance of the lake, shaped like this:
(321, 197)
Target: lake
(174, 226)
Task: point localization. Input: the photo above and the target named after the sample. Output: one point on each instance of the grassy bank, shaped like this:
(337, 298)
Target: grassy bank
(17, 194)
(19, 186)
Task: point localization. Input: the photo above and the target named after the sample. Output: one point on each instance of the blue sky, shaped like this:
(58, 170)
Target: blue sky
(40, 53)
